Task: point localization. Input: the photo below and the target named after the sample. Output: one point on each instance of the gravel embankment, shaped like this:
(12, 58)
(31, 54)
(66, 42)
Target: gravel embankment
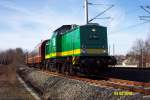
(60, 88)
(10, 86)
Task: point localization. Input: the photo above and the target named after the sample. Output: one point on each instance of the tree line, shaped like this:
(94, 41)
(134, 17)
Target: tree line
(12, 56)
(140, 53)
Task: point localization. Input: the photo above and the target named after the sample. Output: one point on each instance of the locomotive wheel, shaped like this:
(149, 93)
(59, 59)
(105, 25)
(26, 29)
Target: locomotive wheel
(68, 69)
(63, 69)
(58, 66)
(72, 70)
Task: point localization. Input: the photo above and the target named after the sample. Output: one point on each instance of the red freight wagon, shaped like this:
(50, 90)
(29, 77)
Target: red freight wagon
(37, 55)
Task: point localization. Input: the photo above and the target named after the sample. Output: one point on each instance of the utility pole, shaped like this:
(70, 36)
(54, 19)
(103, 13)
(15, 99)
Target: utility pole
(113, 49)
(86, 11)
(109, 50)
(142, 57)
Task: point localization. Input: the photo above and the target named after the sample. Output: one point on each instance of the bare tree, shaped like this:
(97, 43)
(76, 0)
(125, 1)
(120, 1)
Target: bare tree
(147, 53)
(15, 56)
(140, 52)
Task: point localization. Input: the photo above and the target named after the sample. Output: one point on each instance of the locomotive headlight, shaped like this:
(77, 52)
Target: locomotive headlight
(93, 30)
(104, 51)
(84, 51)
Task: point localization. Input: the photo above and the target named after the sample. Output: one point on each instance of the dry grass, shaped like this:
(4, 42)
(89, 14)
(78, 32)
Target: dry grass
(8, 73)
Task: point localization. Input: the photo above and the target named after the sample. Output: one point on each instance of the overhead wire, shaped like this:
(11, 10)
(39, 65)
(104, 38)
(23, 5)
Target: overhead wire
(129, 12)
(135, 25)
(131, 26)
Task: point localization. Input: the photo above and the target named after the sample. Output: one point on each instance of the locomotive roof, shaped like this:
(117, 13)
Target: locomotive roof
(92, 24)
(65, 28)
(68, 27)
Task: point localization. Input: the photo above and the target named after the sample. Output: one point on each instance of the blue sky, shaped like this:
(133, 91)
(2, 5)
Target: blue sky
(24, 23)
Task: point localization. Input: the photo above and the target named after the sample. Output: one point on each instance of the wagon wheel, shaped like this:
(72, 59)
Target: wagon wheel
(71, 70)
(74, 70)
(63, 69)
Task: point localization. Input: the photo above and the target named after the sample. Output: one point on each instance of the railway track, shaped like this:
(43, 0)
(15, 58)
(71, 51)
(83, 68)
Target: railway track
(133, 86)
(111, 81)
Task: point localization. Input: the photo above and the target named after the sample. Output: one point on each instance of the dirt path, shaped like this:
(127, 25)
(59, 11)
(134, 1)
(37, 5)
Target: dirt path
(10, 86)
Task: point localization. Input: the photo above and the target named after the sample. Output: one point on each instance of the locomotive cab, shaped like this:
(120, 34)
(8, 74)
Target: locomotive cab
(93, 40)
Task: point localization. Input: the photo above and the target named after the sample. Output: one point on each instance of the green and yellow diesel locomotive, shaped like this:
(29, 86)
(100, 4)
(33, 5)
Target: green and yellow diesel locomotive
(74, 48)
